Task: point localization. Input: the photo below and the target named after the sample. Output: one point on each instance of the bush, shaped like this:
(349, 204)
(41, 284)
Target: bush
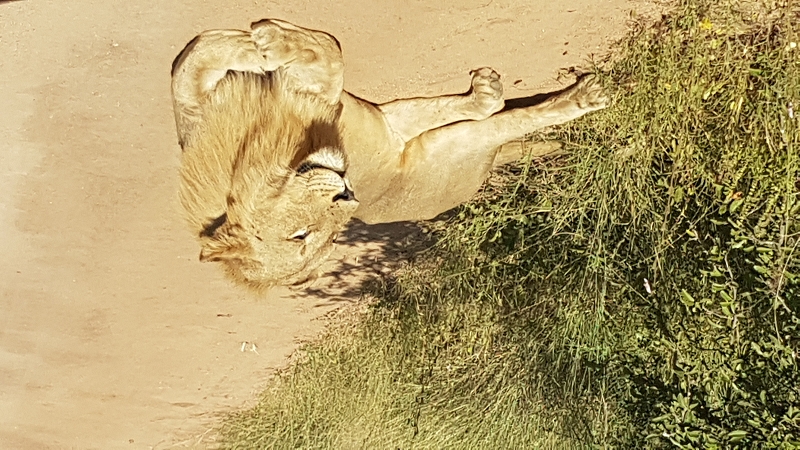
(672, 229)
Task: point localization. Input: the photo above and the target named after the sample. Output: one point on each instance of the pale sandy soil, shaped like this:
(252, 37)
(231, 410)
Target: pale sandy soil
(112, 334)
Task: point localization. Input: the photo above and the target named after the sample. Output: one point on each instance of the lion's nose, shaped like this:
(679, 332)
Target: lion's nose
(347, 195)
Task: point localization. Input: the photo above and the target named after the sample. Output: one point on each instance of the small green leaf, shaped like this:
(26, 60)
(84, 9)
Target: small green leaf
(678, 194)
(727, 310)
(663, 418)
(687, 299)
(761, 269)
(737, 435)
(735, 205)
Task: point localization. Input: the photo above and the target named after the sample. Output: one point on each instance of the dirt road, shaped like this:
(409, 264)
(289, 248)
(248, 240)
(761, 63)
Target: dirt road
(112, 334)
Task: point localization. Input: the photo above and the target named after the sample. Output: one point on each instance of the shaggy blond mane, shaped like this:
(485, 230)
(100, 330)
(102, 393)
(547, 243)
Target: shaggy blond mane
(253, 134)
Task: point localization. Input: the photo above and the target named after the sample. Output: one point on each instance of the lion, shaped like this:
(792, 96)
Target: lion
(277, 158)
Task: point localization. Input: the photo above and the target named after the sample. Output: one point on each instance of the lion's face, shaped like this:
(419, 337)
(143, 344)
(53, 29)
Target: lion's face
(271, 237)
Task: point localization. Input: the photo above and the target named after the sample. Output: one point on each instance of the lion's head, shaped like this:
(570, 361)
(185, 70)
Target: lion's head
(264, 182)
(281, 236)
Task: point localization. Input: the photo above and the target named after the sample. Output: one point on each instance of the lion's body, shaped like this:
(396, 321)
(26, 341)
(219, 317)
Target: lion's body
(268, 133)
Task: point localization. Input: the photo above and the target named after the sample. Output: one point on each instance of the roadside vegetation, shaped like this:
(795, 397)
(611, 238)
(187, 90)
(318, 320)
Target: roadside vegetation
(641, 291)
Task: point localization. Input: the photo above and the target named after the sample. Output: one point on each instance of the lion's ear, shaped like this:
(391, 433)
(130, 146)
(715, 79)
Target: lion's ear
(224, 246)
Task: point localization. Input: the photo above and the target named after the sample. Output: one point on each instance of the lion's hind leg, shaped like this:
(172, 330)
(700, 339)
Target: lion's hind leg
(412, 117)
(310, 61)
(445, 166)
(480, 140)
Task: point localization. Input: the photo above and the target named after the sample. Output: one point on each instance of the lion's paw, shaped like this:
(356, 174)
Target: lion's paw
(272, 41)
(588, 92)
(487, 91)
(267, 30)
(283, 43)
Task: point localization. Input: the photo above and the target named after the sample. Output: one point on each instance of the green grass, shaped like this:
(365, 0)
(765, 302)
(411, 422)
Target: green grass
(529, 325)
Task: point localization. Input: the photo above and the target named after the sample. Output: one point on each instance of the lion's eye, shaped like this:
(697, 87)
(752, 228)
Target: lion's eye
(300, 234)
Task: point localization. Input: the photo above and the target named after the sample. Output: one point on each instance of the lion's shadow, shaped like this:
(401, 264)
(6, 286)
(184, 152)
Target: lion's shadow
(366, 254)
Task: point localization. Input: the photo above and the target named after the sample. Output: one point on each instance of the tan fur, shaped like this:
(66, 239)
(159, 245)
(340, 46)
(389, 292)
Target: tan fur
(267, 133)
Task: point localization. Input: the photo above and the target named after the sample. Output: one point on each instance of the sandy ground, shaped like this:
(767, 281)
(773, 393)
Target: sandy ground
(112, 334)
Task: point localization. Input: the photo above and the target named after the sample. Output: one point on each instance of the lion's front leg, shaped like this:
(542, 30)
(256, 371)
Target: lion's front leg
(310, 61)
(201, 65)
(412, 117)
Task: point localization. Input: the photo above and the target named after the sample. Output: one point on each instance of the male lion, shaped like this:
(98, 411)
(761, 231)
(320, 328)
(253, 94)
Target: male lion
(277, 158)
